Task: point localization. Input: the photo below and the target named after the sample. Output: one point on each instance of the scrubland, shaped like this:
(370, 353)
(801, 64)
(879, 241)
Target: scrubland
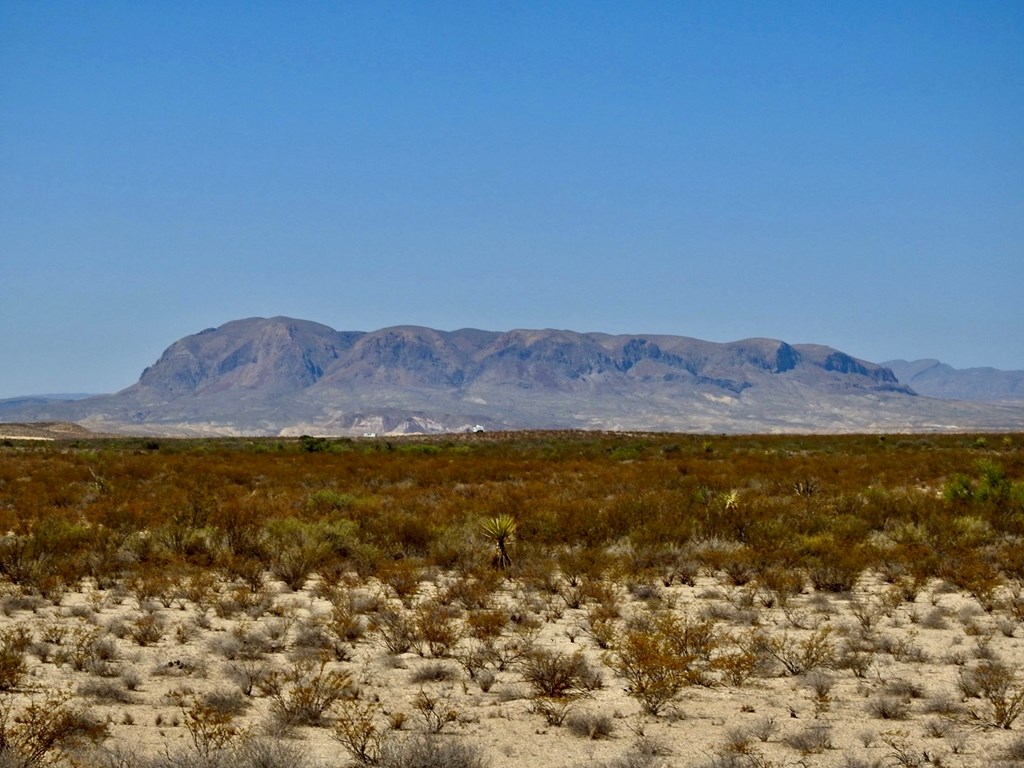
(570, 599)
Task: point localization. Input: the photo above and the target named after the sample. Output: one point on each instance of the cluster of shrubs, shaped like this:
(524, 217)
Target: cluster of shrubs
(463, 551)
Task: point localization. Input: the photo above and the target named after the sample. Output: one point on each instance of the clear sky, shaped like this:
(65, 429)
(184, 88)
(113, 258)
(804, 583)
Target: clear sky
(849, 174)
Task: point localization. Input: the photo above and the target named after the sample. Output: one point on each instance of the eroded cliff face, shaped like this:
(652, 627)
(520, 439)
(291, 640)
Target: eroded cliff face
(274, 375)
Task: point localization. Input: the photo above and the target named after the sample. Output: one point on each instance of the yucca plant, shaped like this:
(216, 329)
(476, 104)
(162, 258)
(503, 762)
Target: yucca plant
(500, 530)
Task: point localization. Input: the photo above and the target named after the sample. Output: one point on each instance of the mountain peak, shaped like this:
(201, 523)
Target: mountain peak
(936, 379)
(281, 374)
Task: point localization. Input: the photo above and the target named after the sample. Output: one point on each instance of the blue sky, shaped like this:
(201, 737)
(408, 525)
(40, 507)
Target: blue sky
(849, 174)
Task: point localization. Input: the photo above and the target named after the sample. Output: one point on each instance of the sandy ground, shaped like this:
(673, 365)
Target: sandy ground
(915, 655)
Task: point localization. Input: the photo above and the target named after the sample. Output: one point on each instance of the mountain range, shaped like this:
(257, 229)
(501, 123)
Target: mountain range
(934, 379)
(284, 376)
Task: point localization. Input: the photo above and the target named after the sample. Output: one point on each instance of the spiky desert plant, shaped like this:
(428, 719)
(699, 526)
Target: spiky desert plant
(500, 529)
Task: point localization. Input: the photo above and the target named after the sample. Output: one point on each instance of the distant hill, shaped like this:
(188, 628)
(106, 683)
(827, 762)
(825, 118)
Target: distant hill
(42, 430)
(935, 379)
(286, 376)
(18, 402)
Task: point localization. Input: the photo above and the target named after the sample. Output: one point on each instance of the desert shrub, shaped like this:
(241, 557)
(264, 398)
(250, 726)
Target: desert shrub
(249, 570)
(867, 611)
(396, 631)
(297, 549)
(974, 573)
(53, 631)
(856, 657)
(431, 752)
(835, 560)
(999, 687)
(590, 725)
(696, 637)
(905, 689)
(434, 672)
(247, 641)
(185, 632)
(648, 658)
(82, 649)
(1006, 626)
(903, 752)
(303, 693)
(313, 635)
(249, 752)
(485, 679)
(937, 728)
(820, 683)
(345, 622)
(402, 578)
(512, 649)
(473, 592)
(554, 711)
(888, 707)
(602, 631)
(436, 626)
(816, 651)
(356, 727)
(555, 675)
(199, 587)
(1014, 750)
(764, 728)
(12, 604)
(252, 602)
(247, 674)
(935, 619)
(486, 623)
(739, 657)
(943, 705)
(779, 585)
(13, 643)
(43, 651)
(106, 691)
(44, 729)
(150, 585)
(211, 728)
(231, 703)
(147, 629)
(475, 659)
(436, 711)
(812, 740)
(901, 648)
(738, 741)
(20, 561)
(643, 753)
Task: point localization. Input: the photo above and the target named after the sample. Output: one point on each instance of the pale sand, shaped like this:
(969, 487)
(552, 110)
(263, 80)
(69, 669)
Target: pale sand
(510, 733)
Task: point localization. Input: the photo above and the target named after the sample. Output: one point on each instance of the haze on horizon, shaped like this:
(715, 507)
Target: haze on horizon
(849, 175)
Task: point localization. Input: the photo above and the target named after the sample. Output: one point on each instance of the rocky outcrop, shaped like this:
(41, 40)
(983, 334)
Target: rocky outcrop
(277, 375)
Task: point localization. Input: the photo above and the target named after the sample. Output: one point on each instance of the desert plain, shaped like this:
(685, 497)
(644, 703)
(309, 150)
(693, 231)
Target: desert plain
(555, 599)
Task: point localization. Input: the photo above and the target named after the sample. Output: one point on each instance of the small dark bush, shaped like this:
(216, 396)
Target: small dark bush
(590, 725)
(431, 752)
(106, 691)
(889, 707)
(812, 740)
(434, 672)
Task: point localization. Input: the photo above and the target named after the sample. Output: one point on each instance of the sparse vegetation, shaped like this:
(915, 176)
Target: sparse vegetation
(251, 586)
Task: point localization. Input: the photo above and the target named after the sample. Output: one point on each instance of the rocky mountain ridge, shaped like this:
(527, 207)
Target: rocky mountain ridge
(281, 375)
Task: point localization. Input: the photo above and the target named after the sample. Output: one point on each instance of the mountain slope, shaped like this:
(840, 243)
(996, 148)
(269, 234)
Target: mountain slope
(935, 379)
(285, 376)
